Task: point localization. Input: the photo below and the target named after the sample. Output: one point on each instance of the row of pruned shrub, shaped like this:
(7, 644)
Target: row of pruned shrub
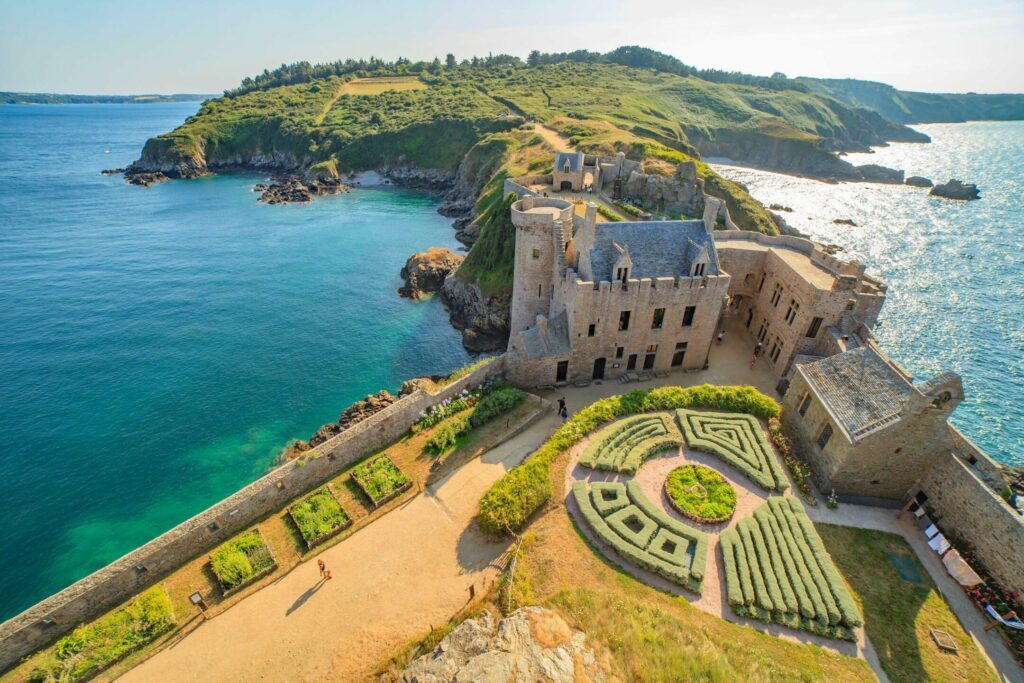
(749, 452)
(623, 445)
(93, 647)
(643, 547)
(499, 400)
(510, 501)
(777, 570)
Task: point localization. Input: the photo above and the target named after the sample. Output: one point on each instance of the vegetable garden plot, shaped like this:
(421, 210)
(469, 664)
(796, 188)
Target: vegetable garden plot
(738, 440)
(778, 571)
(242, 561)
(623, 445)
(319, 516)
(641, 533)
(380, 479)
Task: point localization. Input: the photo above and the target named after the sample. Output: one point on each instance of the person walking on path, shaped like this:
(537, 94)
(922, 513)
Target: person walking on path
(721, 336)
(757, 353)
(325, 573)
(563, 413)
(561, 405)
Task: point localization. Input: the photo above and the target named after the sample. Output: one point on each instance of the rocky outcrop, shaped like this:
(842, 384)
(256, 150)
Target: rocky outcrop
(845, 221)
(956, 189)
(145, 179)
(531, 644)
(682, 192)
(873, 173)
(426, 271)
(483, 320)
(780, 207)
(918, 181)
(297, 189)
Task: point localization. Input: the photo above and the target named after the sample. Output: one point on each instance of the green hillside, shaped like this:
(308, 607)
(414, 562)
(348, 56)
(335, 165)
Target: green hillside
(470, 118)
(903, 106)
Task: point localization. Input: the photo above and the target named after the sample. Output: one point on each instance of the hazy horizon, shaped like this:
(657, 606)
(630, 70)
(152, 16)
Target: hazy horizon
(120, 48)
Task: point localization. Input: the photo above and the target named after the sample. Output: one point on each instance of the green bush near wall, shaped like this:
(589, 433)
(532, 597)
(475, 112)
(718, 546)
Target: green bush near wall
(510, 502)
(778, 571)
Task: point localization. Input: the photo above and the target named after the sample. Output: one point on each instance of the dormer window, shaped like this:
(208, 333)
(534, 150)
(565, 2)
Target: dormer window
(566, 167)
(622, 274)
(698, 269)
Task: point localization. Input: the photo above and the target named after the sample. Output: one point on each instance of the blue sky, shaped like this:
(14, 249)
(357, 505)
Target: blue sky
(116, 46)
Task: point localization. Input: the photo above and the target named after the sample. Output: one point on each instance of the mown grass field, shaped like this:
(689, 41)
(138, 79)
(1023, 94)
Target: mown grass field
(899, 614)
(376, 86)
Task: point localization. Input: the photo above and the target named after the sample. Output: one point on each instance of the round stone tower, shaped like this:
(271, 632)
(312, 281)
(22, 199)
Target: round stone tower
(543, 226)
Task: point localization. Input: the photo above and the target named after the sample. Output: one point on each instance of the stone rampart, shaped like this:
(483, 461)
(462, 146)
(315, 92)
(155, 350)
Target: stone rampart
(146, 565)
(965, 505)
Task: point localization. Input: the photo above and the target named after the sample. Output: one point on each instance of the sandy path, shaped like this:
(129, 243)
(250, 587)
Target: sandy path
(393, 581)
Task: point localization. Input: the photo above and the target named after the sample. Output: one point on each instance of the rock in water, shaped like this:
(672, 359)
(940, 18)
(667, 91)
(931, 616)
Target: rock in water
(919, 181)
(873, 173)
(531, 644)
(425, 271)
(845, 221)
(292, 188)
(956, 189)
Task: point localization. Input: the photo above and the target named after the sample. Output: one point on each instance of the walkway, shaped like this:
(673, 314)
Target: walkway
(394, 580)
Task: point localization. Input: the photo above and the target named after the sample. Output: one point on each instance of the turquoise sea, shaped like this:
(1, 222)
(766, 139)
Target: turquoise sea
(159, 346)
(955, 270)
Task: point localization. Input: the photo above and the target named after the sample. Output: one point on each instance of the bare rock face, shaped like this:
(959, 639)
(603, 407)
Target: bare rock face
(426, 271)
(873, 173)
(682, 192)
(355, 413)
(531, 644)
(483, 320)
(956, 189)
(296, 189)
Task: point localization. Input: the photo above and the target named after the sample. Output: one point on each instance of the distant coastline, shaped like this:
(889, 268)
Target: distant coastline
(57, 98)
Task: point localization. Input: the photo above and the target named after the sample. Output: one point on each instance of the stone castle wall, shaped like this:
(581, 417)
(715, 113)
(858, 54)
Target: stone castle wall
(145, 566)
(963, 504)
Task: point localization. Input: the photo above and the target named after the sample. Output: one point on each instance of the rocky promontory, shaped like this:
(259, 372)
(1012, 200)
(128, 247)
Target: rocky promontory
(531, 644)
(425, 271)
(483, 319)
(918, 181)
(956, 189)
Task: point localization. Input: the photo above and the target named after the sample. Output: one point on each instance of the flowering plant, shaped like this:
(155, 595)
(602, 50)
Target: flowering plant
(797, 468)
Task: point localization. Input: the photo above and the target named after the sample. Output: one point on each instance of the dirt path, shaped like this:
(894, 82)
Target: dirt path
(553, 138)
(327, 107)
(393, 581)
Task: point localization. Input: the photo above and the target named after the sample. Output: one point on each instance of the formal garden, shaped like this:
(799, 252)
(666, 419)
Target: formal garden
(623, 445)
(777, 570)
(241, 561)
(319, 516)
(738, 440)
(622, 517)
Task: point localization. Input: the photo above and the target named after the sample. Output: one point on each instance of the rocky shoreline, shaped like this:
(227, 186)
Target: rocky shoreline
(424, 272)
(297, 189)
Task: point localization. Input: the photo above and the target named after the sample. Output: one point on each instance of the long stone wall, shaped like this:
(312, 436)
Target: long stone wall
(966, 505)
(145, 566)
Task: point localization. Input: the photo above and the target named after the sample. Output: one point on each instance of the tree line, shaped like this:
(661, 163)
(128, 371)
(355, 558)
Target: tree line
(627, 55)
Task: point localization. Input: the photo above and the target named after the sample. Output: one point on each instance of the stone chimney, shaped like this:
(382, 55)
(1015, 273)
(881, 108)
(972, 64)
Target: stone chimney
(712, 205)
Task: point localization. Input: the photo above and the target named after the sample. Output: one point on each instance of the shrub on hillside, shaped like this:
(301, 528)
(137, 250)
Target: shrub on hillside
(496, 402)
(510, 502)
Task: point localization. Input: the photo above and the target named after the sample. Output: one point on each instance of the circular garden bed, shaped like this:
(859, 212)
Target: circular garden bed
(700, 493)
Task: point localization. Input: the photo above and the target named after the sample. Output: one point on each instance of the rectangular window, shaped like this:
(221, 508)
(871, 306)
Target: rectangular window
(540, 291)
(623, 321)
(776, 295)
(812, 331)
(824, 436)
(659, 318)
(761, 286)
(652, 348)
(591, 330)
(649, 361)
(776, 350)
(698, 270)
(619, 351)
(804, 405)
(680, 354)
(794, 307)
(688, 314)
(536, 253)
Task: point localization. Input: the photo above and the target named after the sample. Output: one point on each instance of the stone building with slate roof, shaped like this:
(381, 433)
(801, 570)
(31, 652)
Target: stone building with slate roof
(575, 170)
(867, 429)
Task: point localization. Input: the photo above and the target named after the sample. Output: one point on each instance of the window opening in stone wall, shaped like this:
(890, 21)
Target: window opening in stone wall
(623, 321)
(688, 314)
(536, 253)
(824, 436)
(804, 405)
(591, 330)
(659, 318)
(619, 351)
(812, 331)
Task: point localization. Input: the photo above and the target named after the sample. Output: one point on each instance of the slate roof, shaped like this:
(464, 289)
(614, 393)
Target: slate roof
(554, 343)
(575, 160)
(859, 388)
(657, 248)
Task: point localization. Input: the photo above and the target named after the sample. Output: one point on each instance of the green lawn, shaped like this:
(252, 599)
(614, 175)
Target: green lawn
(899, 614)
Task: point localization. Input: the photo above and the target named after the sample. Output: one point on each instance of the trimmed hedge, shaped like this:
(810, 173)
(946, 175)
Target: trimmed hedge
(623, 445)
(634, 554)
(777, 570)
(496, 402)
(510, 501)
(623, 521)
(447, 435)
(698, 539)
(736, 439)
(609, 496)
(700, 493)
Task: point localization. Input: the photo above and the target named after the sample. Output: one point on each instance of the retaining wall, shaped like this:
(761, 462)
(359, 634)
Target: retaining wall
(145, 566)
(964, 504)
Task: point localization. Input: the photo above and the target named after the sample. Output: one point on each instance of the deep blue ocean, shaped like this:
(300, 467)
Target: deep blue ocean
(159, 346)
(955, 270)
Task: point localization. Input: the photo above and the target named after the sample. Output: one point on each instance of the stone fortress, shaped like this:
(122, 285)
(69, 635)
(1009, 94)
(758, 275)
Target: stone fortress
(594, 301)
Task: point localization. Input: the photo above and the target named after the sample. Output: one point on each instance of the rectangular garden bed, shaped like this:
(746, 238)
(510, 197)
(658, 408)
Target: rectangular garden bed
(319, 516)
(381, 480)
(241, 561)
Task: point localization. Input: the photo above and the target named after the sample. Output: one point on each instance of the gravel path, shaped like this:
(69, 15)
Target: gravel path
(405, 573)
